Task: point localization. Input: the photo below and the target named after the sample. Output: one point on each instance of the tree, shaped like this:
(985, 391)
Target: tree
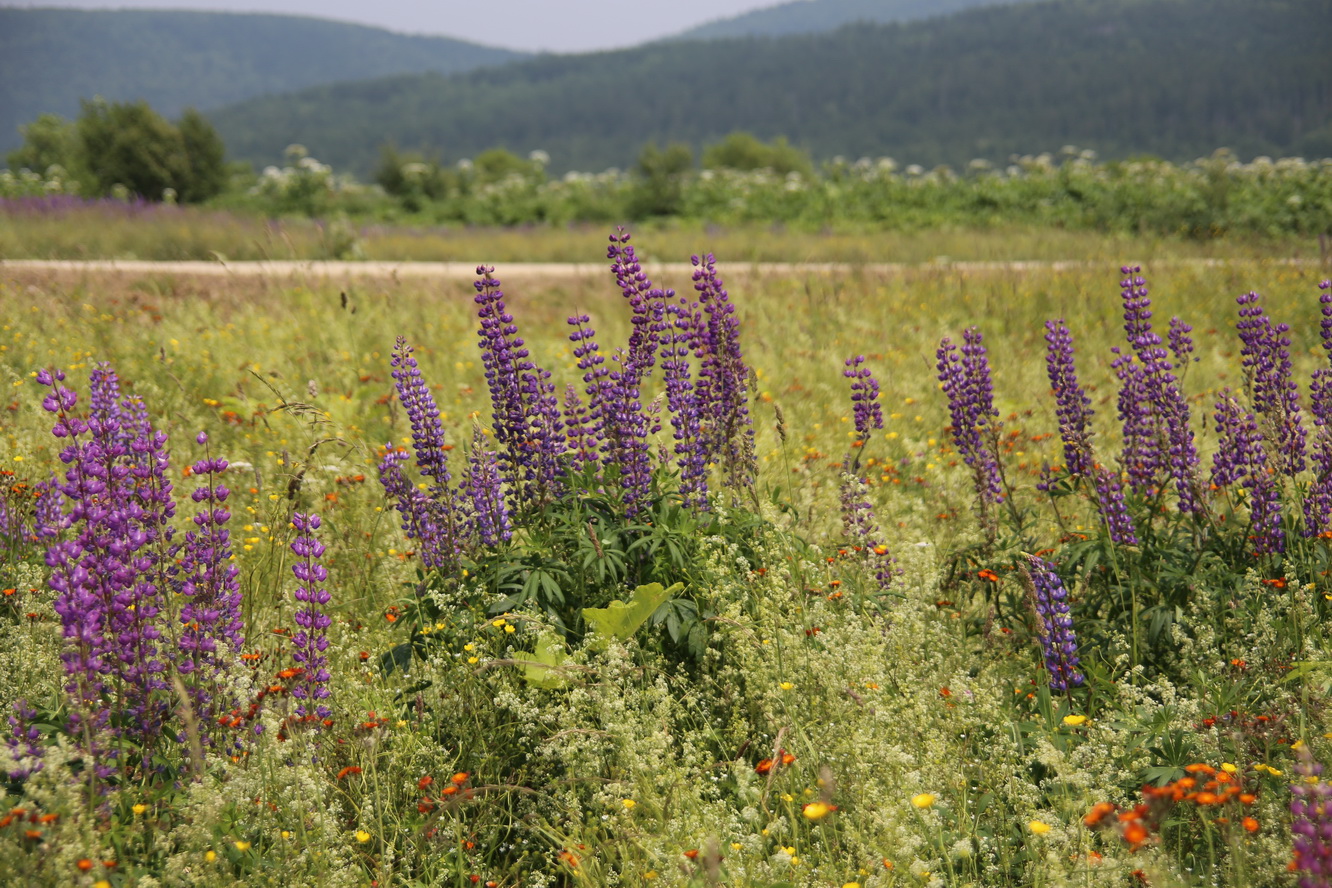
(660, 191)
(130, 144)
(48, 141)
(205, 155)
(742, 151)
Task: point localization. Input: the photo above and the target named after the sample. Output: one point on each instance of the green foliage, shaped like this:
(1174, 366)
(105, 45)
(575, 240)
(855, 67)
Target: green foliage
(805, 17)
(205, 156)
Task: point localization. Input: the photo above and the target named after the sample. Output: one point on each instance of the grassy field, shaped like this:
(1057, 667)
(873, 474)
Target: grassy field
(828, 730)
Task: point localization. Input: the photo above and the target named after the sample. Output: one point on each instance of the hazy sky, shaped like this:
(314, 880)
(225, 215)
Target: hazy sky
(555, 25)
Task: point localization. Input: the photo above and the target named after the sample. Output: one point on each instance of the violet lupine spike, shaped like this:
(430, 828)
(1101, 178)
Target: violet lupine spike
(423, 415)
(646, 302)
(1267, 369)
(1241, 458)
(1318, 500)
(1072, 406)
(490, 514)
(723, 379)
(1311, 827)
(861, 529)
(966, 382)
(311, 687)
(581, 430)
(590, 431)
(211, 632)
(865, 408)
(676, 348)
(1157, 434)
(527, 423)
(1325, 325)
(1059, 643)
(1181, 343)
(1110, 503)
(24, 741)
(435, 528)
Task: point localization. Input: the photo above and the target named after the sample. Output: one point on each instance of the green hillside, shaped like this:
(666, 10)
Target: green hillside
(52, 58)
(1175, 78)
(813, 16)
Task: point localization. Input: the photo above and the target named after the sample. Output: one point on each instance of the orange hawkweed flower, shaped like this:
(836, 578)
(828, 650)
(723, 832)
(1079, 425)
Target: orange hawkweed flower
(460, 778)
(787, 758)
(1135, 834)
(84, 864)
(764, 766)
(350, 769)
(988, 575)
(1098, 813)
(692, 853)
(424, 782)
(1250, 824)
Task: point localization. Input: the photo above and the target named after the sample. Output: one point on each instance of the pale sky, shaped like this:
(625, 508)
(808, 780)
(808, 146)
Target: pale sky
(534, 25)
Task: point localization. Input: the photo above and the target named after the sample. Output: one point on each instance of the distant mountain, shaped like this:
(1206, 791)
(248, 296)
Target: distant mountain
(814, 16)
(1174, 78)
(52, 58)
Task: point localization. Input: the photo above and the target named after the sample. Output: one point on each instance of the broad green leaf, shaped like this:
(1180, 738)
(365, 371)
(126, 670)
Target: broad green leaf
(622, 619)
(541, 669)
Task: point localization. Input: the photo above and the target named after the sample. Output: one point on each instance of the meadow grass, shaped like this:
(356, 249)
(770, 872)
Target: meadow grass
(158, 232)
(918, 720)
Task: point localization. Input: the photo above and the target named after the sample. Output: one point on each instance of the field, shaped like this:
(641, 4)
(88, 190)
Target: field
(846, 668)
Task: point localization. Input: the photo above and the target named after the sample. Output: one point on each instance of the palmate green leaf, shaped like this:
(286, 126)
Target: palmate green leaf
(622, 619)
(541, 668)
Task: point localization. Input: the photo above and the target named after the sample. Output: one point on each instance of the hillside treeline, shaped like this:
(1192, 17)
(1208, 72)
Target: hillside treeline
(1172, 78)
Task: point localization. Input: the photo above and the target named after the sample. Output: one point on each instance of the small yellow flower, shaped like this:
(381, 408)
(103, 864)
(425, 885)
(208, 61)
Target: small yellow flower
(786, 686)
(816, 810)
(139, 808)
(1040, 828)
(286, 834)
(210, 855)
(498, 624)
(469, 647)
(736, 846)
(473, 660)
(924, 800)
(787, 797)
(1228, 768)
(362, 836)
(628, 804)
(101, 883)
(650, 874)
(509, 628)
(851, 885)
(241, 846)
(1074, 721)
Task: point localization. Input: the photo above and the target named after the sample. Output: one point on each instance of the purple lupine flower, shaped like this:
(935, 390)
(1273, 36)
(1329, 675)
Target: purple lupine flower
(1110, 503)
(527, 423)
(587, 425)
(1058, 641)
(862, 531)
(311, 687)
(681, 397)
(1072, 406)
(865, 408)
(966, 382)
(1318, 501)
(24, 741)
(110, 576)
(1241, 458)
(208, 581)
(1267, 370)
(422, 414)
(722, 389)
(646, 302)
(1311, 829)
(1181, 343)
(1157, 435)
(486, 494)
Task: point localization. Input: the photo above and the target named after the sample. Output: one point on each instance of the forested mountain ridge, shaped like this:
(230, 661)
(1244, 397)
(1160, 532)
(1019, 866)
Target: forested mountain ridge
(52, 58)
(813, 16)
(1175, 78)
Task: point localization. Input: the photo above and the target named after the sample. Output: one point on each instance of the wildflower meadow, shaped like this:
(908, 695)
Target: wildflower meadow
(922, 576)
